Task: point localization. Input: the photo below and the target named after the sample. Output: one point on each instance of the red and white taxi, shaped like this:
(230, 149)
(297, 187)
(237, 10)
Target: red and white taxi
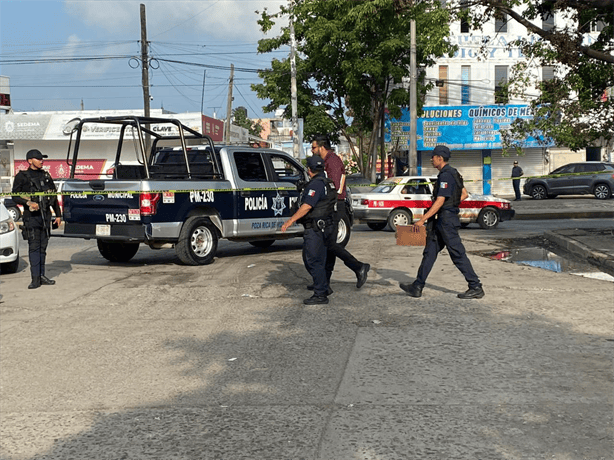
(404, 200)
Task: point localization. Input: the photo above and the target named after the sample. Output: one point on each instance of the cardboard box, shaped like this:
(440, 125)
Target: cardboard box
(408, 235)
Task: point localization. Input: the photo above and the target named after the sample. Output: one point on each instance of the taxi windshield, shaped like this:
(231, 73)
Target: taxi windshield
(385, 187)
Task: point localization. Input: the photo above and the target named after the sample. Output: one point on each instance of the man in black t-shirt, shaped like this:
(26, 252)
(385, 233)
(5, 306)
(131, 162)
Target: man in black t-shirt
(516, 174)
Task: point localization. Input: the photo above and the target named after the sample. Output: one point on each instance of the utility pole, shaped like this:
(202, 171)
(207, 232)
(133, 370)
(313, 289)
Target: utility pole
(144, 61)
(229, 105)
(145, 73)
(202, 99)
(295, 136)
(412, 160)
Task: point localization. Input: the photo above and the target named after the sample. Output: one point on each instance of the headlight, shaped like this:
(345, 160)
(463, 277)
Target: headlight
(7, 226)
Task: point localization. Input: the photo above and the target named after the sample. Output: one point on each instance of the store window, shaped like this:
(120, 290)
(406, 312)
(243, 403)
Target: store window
(548, 21)
(501, 89)
(464, 25)
(547, 73)
(442, 83)
(501, 24)
(465, 88)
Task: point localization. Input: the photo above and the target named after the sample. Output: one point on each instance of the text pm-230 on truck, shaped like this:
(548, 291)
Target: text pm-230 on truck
(172, 187)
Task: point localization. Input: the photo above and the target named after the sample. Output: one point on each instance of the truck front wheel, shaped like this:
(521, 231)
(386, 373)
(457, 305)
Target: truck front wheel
(197, 243)
(117, 252)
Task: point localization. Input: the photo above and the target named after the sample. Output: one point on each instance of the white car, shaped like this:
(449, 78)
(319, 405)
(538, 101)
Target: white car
(404, 200)
(9, 242)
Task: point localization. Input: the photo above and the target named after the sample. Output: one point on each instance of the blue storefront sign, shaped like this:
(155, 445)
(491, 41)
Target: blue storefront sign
(463, 127)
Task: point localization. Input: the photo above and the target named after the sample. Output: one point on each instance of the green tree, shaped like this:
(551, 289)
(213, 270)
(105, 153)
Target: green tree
(240, 119)
(351, 58)
(571, 108)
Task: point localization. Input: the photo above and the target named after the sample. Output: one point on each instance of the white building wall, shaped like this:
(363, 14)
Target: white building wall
(482, 50)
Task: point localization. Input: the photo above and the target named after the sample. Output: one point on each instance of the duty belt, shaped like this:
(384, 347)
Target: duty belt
(320, 224)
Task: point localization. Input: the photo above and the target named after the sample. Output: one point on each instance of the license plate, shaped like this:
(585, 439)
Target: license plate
(103, 230)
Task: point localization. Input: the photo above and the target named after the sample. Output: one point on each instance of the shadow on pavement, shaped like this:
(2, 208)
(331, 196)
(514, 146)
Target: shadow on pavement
(373, 375)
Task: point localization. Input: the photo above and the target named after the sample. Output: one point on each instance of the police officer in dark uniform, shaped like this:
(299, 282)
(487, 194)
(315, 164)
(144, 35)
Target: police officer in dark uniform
(448, 193)
(37, 213)
(316, 210)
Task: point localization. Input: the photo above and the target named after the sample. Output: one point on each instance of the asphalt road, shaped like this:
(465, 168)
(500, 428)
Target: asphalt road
(155, 360)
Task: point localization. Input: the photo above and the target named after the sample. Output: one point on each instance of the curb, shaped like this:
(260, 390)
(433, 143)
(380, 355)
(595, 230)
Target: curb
(565, 215)
(599, 259)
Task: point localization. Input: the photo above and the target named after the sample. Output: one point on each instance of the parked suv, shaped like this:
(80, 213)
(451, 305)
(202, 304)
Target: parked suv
(592, 177)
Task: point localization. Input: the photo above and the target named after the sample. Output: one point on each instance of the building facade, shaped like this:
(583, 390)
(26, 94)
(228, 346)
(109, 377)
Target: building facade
(21, 131)
(476, 76)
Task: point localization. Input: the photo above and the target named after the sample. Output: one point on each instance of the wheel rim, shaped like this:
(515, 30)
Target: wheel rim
(201, 241)
(400, 219)
(490, 218)
(12, 213)
(342, 231)
(601, 192)
(539, 193)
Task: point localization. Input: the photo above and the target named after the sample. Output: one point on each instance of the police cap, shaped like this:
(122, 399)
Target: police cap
(442, 151)
(315, 163)
(35, 154)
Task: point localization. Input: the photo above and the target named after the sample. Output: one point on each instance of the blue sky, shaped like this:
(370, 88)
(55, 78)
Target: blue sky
(97, 40)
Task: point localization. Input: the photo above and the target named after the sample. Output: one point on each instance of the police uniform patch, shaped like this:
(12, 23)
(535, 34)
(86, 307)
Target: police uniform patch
(311, 193)
(443, 185)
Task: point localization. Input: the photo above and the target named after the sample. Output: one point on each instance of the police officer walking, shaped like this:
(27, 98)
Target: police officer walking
(37, 213)
(448, 193)
(335, 170)
(316, 214)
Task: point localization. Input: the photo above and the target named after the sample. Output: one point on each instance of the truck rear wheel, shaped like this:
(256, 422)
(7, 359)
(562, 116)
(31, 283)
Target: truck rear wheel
(197, 243)
(117, 251)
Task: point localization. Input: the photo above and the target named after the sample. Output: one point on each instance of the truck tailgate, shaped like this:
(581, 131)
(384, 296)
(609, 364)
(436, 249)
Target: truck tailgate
(102, 208)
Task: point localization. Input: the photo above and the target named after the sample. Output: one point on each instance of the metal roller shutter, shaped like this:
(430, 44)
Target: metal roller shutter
(532, 164)
(468, 163)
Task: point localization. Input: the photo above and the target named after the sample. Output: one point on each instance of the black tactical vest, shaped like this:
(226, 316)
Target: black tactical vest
(324, 208)
(454, 200)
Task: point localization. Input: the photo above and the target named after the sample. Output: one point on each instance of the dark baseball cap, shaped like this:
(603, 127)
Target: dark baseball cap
(442, 151)
(315, 163)
(515, 162)
(35, 154)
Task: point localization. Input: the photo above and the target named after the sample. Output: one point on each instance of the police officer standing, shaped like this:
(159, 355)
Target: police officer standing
(37, 213)
(516, 175)
(448, 193)
(316, 214)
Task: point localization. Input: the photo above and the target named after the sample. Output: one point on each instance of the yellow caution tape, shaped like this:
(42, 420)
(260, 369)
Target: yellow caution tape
(104, 192)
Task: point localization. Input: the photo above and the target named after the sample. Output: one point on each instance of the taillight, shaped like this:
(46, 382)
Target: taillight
(149, 203)
(364, 202)
(506, 205)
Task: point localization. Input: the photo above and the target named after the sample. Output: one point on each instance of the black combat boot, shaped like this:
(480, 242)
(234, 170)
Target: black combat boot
(361, 275)
(412, 289)
(46, 281)
(36, 283)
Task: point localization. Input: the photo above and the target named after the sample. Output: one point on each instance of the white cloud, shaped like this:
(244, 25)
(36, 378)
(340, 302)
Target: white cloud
(231, 20)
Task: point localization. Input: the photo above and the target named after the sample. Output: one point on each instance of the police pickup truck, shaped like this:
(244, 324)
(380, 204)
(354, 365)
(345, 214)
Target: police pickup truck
(172, 187)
